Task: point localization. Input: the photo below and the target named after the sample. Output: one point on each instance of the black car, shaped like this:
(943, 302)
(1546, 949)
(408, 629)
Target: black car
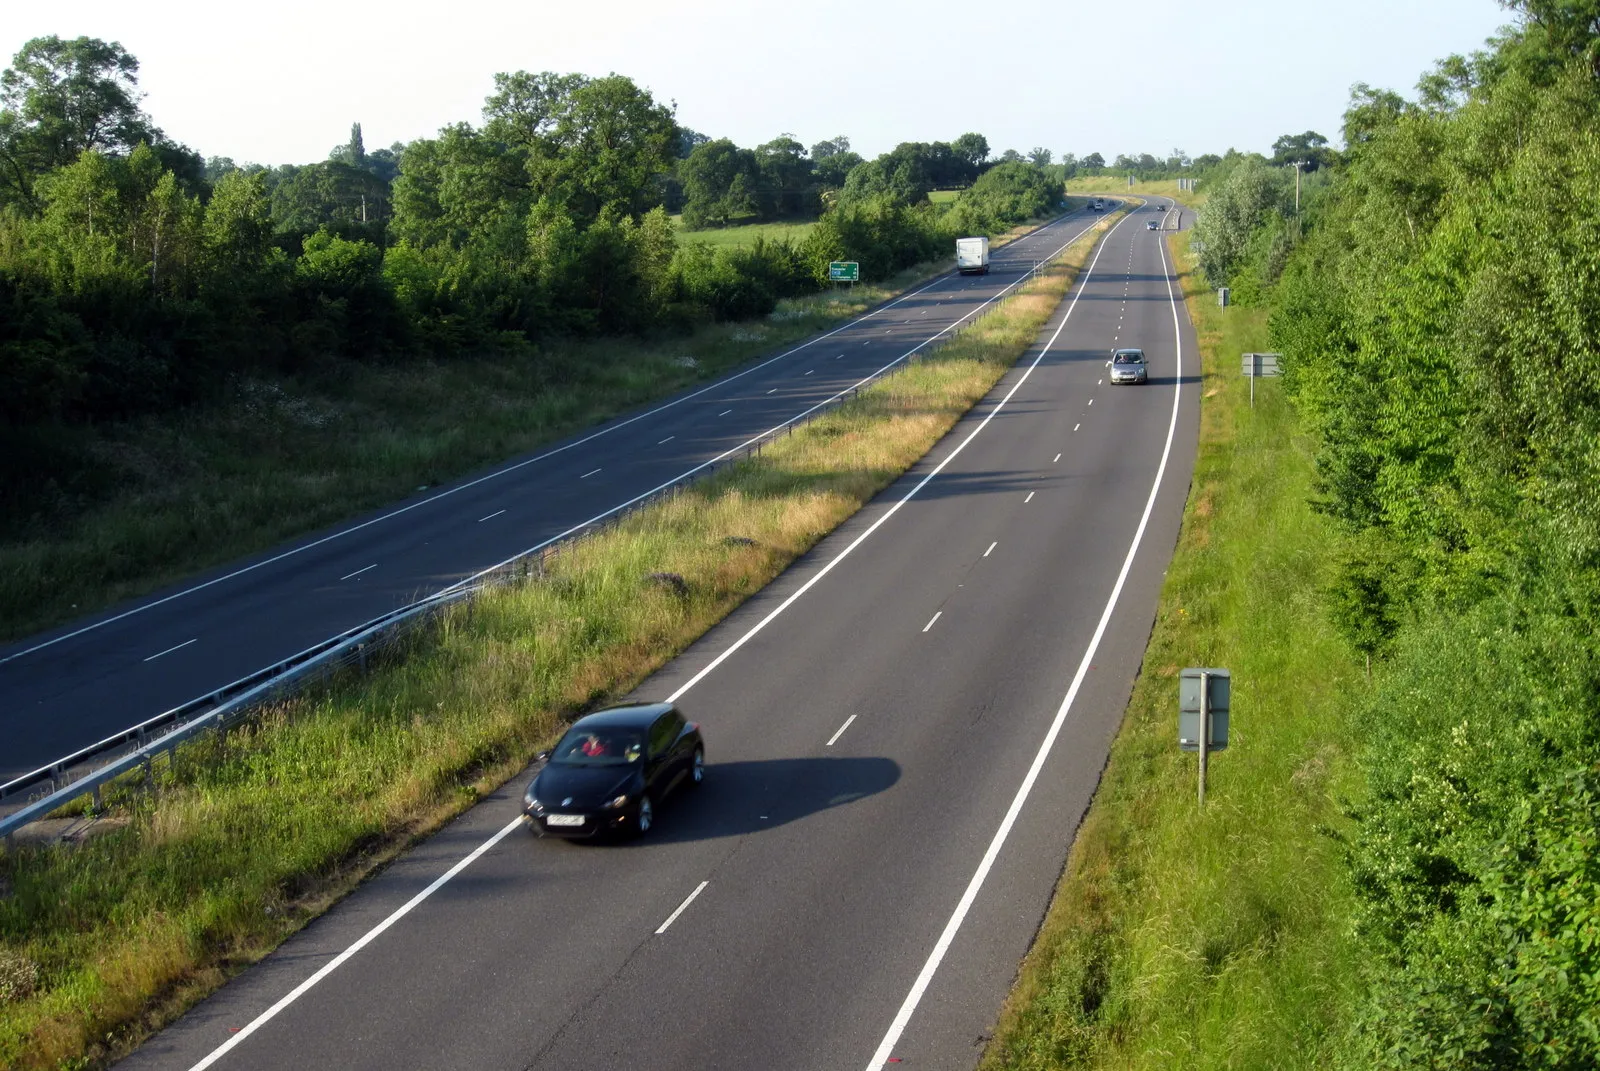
(612, 769)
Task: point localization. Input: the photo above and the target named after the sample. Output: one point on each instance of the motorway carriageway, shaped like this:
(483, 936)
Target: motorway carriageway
(903, 732)
(67, 689)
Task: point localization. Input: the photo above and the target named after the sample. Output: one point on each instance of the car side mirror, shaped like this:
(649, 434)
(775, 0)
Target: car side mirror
(1108, 364)
(543, 756)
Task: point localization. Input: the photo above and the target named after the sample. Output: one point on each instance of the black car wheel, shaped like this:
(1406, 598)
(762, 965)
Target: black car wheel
(697, 767)
(646, 817)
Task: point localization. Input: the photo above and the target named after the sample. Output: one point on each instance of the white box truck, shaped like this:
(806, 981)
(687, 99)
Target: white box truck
(972, 256)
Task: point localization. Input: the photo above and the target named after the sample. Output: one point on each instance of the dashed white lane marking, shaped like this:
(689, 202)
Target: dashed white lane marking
(774, 390)
(991, 548)
(668, 439)
(924, 977)
(169, 650)
(586, 475)
(725, 412)
(358, 572)
(1055, 459)
(931, 620)
(491, 517)
(1091, 401)
(813, 370)
(1075, 427)
(698, 889)
(1025, 501)
(840, 733)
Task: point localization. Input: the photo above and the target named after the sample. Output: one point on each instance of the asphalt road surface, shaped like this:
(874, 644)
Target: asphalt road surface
(903, 732)
(74, 686)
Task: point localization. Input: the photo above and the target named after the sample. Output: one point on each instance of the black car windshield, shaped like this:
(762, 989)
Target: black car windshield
(1130, 358)
(602, 746)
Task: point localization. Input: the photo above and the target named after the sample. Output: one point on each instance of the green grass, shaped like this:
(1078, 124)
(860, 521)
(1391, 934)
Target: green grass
(745, 234)
(249, 837)
(1178, 938)
(942, 197)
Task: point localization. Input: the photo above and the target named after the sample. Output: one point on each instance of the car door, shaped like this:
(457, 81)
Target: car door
(666, 751)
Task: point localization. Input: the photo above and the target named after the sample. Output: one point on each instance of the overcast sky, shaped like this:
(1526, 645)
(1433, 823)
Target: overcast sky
(281, 82)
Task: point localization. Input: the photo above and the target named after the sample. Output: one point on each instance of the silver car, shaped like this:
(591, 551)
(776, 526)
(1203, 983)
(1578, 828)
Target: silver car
(1127, 366)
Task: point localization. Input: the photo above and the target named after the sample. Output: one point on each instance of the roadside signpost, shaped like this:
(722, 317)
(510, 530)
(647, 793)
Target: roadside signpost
(1257, 365)
(844, 271)
(1203, 714)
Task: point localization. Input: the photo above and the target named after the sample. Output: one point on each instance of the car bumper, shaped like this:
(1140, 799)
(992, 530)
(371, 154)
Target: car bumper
(1127, 379)
(589, 823)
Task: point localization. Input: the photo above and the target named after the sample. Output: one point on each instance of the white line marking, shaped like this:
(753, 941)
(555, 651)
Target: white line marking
(374, 565)
(1101, 383)
(990, 551)
(931, 620)
(365, 939)
(840, 733)
(586, 475)
(903, 1017)
(674, 916)
(491, 517)
(813, 370)
(1025, 501)
(1055, 459)
(169, 650)
(774, 390)
(1075, 427)
(668, 439)
(725, 412)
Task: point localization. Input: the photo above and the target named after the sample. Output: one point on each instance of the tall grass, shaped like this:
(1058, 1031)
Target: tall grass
(746, 233)
(1215, 939)
(247, 838)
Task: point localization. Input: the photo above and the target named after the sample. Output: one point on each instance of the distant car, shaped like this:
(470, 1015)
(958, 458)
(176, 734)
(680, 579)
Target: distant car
(1127, 366)
(1155, 225)
(612, 769)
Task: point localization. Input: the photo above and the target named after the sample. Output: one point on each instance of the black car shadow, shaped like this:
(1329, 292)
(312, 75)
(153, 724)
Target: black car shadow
(738, 798)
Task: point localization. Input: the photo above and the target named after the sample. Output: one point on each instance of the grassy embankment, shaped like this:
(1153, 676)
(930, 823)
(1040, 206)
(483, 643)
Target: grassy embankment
(1215, 940)
(240, 846)
(1112, 186)
(161, 498)
(745, 233)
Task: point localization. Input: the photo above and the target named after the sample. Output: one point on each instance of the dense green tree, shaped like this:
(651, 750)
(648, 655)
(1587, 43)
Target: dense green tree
(973, 150)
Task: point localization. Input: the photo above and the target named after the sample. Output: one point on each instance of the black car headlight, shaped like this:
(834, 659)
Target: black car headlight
(531, 802)
(620, 801)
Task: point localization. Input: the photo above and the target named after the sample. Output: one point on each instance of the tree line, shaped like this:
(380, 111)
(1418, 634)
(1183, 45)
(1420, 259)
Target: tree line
(1435, 302)
(136, 275)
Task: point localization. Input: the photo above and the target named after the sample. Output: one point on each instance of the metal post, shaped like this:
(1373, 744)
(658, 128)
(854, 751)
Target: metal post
(1252, 383)
(1205, 722)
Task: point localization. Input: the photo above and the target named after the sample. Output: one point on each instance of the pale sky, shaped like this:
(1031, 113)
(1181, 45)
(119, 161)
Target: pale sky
(282, 82)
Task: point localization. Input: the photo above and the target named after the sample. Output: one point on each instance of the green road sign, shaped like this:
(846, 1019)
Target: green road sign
(844, 271)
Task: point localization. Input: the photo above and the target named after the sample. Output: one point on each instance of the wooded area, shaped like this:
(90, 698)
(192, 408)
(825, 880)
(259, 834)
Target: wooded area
(1437, 303)
(136, 278)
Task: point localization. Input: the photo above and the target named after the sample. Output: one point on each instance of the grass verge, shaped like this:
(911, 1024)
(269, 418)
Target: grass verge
(244, 839)
(1214, 940)
(159, 499)
(745, 233)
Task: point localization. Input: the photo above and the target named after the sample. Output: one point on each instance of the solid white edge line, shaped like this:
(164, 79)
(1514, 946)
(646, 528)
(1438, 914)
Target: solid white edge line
(439, 882)
(936, 615)
(674, 916)
(365, 939)
(903, 1017)
(513, 467)
(840, 733)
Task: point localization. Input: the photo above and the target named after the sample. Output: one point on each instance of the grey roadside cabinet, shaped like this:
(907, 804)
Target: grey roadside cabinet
(1203, 695)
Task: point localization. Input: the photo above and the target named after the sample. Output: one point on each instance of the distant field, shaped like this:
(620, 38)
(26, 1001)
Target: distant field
(940, 197)
(1111, 184)
(744, 235)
